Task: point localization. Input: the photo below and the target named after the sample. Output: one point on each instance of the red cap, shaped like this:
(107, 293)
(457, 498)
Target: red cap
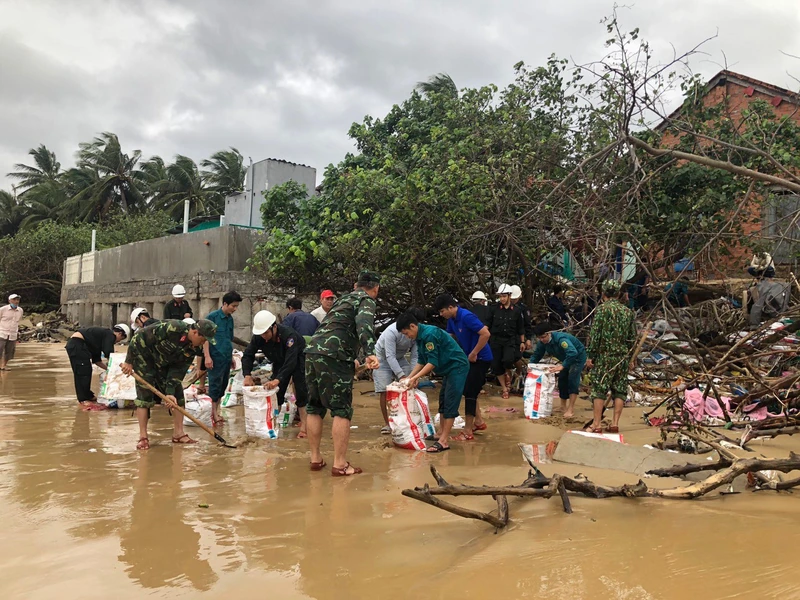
(327, 294)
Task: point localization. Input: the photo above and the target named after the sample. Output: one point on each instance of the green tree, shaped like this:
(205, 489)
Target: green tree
(46, 169)
(115, 185)
(438, 84)
(225, 171)
(11, 213)
(185, 182)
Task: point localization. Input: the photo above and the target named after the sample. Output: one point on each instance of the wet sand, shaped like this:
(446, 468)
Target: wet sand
(87, 516)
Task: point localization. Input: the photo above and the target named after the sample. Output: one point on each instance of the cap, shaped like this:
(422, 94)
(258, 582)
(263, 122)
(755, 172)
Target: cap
(138, 312)
(516, 292)
(124, 329)
(178, 291)
(611, 286)
(327, 294)
(479, 295)
(14, 297)
(208, 329)
(263, 321)
(189, 321)
(504, 289)
(369, 277)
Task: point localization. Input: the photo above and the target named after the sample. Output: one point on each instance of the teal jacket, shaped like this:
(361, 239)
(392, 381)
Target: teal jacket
(564, 346)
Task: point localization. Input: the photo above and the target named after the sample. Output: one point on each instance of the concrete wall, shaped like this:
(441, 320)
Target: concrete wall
(262, 176)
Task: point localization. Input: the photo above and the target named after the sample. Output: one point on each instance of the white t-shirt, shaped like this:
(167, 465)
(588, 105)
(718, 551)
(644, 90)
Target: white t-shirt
(9, 322)
(319, 313)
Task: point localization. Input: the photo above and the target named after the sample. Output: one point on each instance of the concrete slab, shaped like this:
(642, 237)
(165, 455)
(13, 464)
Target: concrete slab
(577, 449)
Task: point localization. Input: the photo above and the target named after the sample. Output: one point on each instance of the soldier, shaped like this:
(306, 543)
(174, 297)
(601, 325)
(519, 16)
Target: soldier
(86, 347)
(507, 328)
(177, 308)
(479, 307)
(330, 367)
(527, 318)
(141, 318)
(160, 354)
(572, 354)
(611, 339)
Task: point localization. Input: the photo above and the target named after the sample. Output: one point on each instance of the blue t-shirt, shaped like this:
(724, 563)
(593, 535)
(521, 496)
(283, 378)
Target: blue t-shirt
(465, 326)
(224, 337)
(302, 322)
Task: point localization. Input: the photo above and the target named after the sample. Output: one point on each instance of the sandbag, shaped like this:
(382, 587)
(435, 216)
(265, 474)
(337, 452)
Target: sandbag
(538, 395)
(197, 405)
(458, 423)
(117, 390)
(259, 412)
(233, 393)
(409, 417)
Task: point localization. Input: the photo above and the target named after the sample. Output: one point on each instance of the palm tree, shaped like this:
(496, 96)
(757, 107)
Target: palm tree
(438, 84)
(226, 171)
(185, 182)
(11, 213)
(42, 203)
(115, 181)
(151, 177)
(47, 169)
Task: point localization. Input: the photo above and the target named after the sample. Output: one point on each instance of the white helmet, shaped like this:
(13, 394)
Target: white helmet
(504, 289)
(189, 321)
(516, 292)
(479, 295)
(263, 321)
(135, 315)
(124, 328)
(178, 291)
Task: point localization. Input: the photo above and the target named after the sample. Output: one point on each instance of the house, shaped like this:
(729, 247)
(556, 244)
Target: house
(775, 220)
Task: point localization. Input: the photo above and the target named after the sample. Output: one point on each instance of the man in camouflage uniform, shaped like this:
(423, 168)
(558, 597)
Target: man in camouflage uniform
(611, 340)
(161, 354)
(330, 367)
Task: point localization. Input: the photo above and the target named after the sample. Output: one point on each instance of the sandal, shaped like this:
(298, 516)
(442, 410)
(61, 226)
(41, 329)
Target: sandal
(318, 466)
(337, 472)
(386, 430)
(437, 447)
(144, 444)
(432, 438)
(179, 440)
(301, 435)
(481, 427)
(218, 421)
(612, 429)
(594, 430)
(463, 437)
(505, 394)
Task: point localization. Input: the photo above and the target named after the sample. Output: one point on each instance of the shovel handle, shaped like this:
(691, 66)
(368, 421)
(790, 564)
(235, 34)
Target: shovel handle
(145, 384)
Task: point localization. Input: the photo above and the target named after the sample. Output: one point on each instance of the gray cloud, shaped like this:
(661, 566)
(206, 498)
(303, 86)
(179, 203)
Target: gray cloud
(286, 79)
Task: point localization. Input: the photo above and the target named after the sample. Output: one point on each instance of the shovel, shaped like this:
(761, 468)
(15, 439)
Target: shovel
(200, 424)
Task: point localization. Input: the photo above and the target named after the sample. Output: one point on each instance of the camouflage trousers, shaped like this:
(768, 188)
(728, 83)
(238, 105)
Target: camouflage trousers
(330, 386)
(163, 379)
(610, 374)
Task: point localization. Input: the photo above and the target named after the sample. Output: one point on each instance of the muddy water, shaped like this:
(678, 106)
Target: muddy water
(86, 516)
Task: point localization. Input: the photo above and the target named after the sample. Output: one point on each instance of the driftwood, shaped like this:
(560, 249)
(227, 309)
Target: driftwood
(539, 486)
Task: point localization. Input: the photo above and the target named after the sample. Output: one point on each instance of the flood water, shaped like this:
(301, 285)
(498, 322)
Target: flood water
(84, 515)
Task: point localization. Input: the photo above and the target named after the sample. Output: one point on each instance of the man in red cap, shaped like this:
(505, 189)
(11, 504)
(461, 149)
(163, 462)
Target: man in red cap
(326, 298)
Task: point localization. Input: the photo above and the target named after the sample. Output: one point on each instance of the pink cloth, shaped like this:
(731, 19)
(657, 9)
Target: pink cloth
(9, 322)
(699, 408)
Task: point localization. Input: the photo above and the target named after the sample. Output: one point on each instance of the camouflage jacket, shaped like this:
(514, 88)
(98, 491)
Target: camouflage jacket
(162, 349)
(613, 330)
(350, 324)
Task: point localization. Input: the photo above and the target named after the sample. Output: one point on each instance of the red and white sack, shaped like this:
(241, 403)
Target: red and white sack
(197, 405)
(409, 417)
(538, 395)
(259, 412)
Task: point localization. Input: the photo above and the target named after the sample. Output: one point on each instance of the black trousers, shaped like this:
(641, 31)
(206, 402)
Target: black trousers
(80, 359)
(475, 380)
(300, 387)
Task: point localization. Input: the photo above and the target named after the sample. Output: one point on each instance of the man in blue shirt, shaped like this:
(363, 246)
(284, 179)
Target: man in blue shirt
(436, 350)
(219, 357)
(572, 354)
(473, 337)
(302, 322)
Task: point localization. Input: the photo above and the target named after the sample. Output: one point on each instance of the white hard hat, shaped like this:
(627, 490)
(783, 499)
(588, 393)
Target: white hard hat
(124, 328)
(178, 291)
(504, 289)
(479, 295)
(189, 321)
(136, 312)
(263, 321)
(516, 292)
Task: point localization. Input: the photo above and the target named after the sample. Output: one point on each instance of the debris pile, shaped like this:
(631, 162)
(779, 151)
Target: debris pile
(51, 327)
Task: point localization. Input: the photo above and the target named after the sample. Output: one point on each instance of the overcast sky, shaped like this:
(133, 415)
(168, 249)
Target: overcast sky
(286, 78)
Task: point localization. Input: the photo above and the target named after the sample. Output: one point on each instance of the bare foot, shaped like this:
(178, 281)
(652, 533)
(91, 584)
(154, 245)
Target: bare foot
(567, 415)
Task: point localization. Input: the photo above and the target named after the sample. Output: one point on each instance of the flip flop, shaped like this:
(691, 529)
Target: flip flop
(178, 440)
(301, 435)
(437, 447)
(144, 444)
(432, 438)
(481, 427)
(463, 437)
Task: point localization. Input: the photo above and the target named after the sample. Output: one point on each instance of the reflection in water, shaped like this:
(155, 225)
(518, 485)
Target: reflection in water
(158, 547)
(75, 495)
